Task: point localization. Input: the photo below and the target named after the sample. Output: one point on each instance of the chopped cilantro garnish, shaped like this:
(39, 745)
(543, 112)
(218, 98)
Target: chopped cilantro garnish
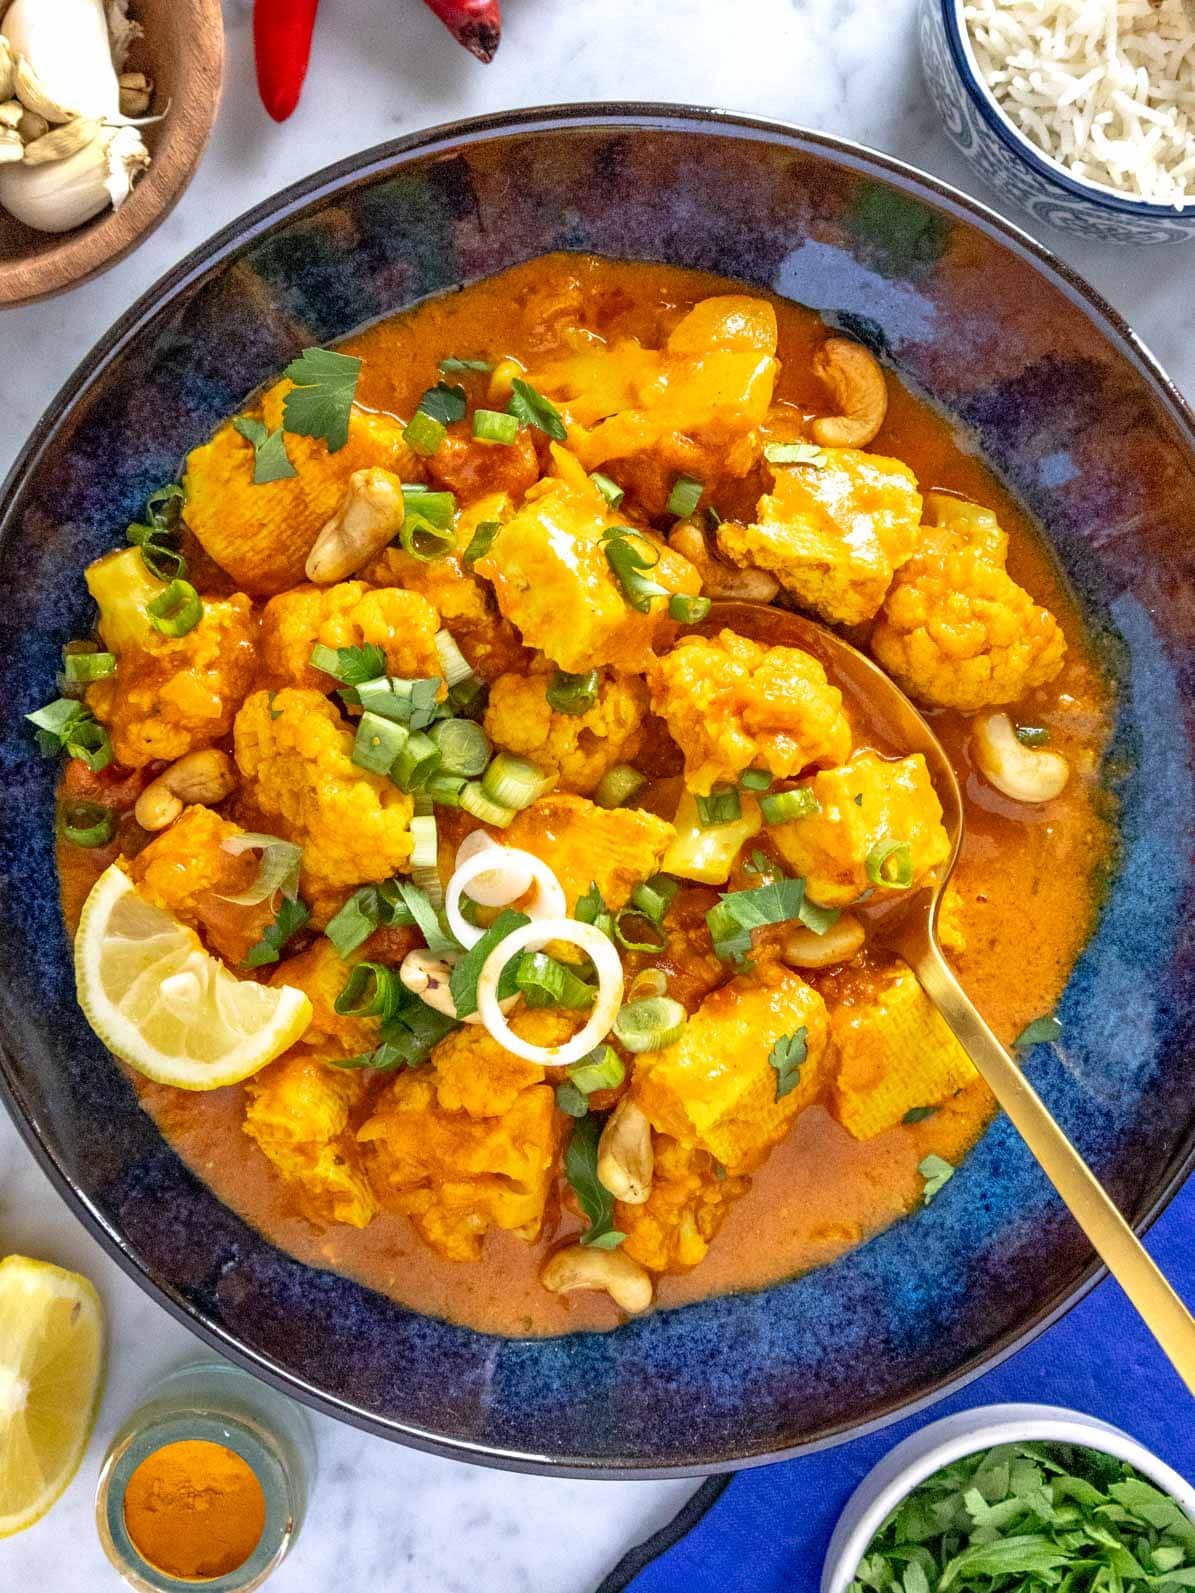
(787, 1056)
(351, 666)
(937, 1172)
(1042, 1031)
(918, 1114)
(292, 914)
(594, 1199)
(321, 401)
(465, 974)
(271, 462)
(779, 901)
(533, 409)
(453, 366)
(444, 403)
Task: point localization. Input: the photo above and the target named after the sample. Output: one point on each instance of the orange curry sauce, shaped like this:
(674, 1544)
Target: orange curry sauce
(820, 1192)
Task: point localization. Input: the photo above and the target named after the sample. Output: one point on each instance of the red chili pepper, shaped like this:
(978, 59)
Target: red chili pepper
(477, 24)
(282, 32)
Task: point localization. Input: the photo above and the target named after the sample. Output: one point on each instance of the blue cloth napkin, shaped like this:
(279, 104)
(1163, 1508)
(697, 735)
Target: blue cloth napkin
(766, 1530)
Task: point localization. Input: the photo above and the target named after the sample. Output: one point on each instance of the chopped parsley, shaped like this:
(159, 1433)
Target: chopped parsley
(271, 462)
(321, 401)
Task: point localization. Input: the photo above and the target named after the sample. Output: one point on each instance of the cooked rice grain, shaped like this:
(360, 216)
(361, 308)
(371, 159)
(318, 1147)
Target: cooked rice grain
(1106, 87)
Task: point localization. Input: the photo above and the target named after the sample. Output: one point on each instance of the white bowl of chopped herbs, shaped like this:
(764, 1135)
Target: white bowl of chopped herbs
(1013, 1499)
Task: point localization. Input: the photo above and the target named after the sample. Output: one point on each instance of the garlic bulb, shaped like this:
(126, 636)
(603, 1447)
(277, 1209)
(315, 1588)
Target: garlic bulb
(124, 32)
(64, 193)
(65, 45)
(8, 68)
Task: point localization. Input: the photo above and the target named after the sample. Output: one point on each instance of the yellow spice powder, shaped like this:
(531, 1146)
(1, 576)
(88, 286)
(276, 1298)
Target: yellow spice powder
(194, 1509)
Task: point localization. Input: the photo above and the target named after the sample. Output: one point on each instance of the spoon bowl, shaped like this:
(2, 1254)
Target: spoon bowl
(907, 925)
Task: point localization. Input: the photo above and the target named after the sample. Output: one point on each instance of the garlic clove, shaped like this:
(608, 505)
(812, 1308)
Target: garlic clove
(65, 45)
(32, 125)
(11, 112)
(65, 193)
(8, 69)
(61, 142)
(11, 147)
(34, 95)
(136, 93)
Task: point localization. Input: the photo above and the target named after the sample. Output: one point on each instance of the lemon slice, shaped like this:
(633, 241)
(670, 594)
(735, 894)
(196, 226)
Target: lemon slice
(51, 1374)
(164, 1005)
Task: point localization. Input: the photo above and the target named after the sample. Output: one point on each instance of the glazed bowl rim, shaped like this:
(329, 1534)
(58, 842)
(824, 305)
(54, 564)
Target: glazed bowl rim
(366, 166)
(903, 1469)
(958, 38)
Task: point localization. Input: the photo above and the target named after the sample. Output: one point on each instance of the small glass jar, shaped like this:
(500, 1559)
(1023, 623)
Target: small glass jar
(215, 1402)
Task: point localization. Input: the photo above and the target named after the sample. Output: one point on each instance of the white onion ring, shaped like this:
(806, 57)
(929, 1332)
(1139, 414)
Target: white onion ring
(548, 901)
(493, 890)
(531, 937)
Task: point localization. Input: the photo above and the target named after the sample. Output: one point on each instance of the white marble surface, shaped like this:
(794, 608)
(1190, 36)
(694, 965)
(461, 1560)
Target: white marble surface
(383, 1517)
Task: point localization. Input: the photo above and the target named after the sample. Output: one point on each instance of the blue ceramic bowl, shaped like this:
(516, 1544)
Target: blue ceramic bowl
(1012, 163)
(1040, 374)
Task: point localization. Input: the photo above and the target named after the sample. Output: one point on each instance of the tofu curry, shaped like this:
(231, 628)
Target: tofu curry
(472, 914)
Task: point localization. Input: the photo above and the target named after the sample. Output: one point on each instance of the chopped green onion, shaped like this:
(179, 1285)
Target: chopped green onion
(277, 869)
(755, 780)
(437, 508)
(492, 426)
(445, 788)
(177, 610)
(573, 694)
(631, 926)
(610, 490)
(515, 782)
(544, 982)
(416, 761)
(602, 1069)
(351, 666)
(687, 610)
(156, 539)
(66, 725)
(80, 668)
(650, 1024)
(648, 982)
(1033, 735)
(481, 542)
(570, 1100)
(453, 663)
(88, 824)
(452, 366)
(787, 1057)
(684, 497)
(784, 806)
(425, 541)
(412, 703)
(475, 801)
(356, 920)
(464, 747)
(591, 909)
(531, 408)
(372, 990)
(468, 698)
(379, 741)
(466, 972)
(655, 896)
(423, 433)
(890, 863)
(444, 403)
(618, 785)
(714, 518)
(793, 454)
(426, 848)
(629, 553)
(722, 806)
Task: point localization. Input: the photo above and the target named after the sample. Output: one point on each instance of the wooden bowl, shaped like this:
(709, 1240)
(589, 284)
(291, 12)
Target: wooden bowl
(183, 52)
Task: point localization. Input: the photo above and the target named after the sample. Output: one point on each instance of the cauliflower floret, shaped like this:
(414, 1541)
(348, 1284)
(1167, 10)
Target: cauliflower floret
(673, 1229)
(833, 533)
(321, 974)
(402, 624)
(554, 583)
(733, 704)
(578, 748)
(715, 1087)
(187, 873)
(956, 630)
(895, 1053)
(298, 1111)
(464, 602)
(864, 805)
(170, 694)
(295, 753)
(695, 404)
(613, 848)
(466, 1150)
(262, 534)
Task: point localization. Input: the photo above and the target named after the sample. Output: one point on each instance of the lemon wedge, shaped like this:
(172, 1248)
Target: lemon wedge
(166, 1006)
(51, 1374)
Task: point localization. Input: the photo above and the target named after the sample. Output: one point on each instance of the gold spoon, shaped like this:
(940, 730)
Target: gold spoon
(910, 930)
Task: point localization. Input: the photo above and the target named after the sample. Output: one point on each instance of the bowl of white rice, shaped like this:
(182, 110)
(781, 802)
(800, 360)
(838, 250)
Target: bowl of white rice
(1081, 111)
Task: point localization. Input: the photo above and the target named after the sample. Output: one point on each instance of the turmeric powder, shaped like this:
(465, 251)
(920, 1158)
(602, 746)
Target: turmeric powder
(194, 1509)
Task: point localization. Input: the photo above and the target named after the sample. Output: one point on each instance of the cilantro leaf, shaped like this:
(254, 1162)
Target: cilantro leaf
(351, 666)
(292, 914)
(533, 409)
(408, 1037)
(322, 398)
(444, 403)
(594, 1199)
(937, 1172)
(570, 1100)
(732, 919)
(271, 462)
(1042, 1031)
(452, 366)
(787, 1056)
(465, 974)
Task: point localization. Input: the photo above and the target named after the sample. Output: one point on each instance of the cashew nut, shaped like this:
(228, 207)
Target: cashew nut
(626, 1161)
(370, 515)
(803, 949)
(719, 579)
(429, 978)
(857, 383)
(579, 1267)
(1026, 774)
(206, 777)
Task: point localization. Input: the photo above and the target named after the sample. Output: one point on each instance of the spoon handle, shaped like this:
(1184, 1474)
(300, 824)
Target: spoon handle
(1126, 1258)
